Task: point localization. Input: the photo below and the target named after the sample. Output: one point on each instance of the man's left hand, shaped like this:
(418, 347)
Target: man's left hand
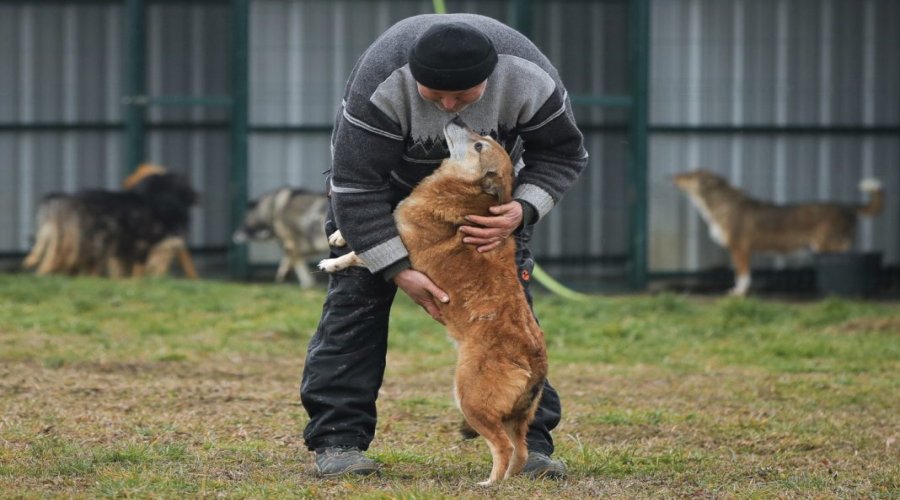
(490, 231)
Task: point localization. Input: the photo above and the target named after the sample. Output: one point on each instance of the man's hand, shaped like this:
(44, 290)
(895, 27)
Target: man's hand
(423, 291)
(491, 231)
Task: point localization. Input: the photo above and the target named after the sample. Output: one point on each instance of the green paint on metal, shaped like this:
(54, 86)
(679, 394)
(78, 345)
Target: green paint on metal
(240, 14)
(521, 16)
(639, 27)
(611, 101)
(187, 100)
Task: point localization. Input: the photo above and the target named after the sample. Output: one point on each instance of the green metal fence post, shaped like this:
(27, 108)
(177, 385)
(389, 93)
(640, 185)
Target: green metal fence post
(237, 255)
(639, 13)
(521, 16)
(135, 99)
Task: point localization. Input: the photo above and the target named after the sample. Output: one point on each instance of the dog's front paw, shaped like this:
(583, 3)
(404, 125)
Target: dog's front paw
(331, 265)
(337, 240)
(340, 263)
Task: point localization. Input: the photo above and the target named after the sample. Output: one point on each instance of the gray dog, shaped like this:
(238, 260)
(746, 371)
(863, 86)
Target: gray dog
(296, 218)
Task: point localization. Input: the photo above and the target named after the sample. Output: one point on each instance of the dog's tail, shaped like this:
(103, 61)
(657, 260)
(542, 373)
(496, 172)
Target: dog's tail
(45, 236)
(876, 197)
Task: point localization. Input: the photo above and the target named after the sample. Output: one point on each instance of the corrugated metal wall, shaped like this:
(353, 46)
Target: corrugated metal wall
(59, 67)
(826, 69)
(61, 113)
(715, 64)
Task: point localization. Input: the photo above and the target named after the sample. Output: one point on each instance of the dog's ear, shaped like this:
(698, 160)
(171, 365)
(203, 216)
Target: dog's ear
(492, 184)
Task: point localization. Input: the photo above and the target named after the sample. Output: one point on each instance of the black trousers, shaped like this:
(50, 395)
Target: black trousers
(345, 361)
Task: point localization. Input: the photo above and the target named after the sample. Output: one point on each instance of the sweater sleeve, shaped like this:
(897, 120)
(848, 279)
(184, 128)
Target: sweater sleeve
(554, 154)
(366, 146)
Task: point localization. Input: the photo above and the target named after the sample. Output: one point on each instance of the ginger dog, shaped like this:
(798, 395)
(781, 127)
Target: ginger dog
(744, 225)
(502, 360)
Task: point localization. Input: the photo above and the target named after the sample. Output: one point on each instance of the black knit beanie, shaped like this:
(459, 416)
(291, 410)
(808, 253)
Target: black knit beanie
(452, 56)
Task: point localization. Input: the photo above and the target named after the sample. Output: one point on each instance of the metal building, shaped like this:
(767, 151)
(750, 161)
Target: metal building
(790, 99)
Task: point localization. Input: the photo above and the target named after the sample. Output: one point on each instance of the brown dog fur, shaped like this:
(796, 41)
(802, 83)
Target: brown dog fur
(502, 359)
(744, 225)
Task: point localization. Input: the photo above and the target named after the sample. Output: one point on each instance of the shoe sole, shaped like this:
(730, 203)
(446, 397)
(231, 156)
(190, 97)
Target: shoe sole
(359, 470)
(550, 472)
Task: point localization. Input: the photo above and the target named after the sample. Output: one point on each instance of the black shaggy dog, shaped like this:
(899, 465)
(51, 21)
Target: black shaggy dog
(114, 233)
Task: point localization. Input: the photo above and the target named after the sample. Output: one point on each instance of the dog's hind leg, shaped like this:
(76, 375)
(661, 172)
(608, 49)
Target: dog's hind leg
(284, 265)
(159, 259)
(492, 429)
(517, 426)
(187, 263)
(517, 432)
(485, 406)
(303, 275)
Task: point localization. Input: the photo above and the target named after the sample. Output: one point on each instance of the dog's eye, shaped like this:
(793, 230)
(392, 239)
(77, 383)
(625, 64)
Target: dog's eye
(478, 146)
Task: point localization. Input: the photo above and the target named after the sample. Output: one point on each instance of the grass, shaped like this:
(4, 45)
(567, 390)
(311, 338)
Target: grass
(171, 388)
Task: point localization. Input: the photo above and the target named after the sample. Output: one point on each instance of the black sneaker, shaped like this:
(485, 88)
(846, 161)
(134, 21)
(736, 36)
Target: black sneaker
(343, 461)
(541, 466)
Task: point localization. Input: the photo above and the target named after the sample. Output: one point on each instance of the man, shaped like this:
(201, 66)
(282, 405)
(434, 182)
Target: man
(388, 136)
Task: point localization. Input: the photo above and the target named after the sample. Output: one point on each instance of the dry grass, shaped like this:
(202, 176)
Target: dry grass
(173, 389)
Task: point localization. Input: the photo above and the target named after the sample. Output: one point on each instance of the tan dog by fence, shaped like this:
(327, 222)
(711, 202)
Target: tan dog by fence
(502, 359)
(745, 225)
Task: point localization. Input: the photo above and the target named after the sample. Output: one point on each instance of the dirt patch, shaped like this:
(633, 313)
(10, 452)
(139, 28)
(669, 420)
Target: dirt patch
(890, 325)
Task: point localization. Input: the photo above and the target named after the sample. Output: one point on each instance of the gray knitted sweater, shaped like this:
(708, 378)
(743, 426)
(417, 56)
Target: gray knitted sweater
(387, 138)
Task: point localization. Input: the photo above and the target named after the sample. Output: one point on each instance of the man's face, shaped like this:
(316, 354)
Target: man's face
(452, 101)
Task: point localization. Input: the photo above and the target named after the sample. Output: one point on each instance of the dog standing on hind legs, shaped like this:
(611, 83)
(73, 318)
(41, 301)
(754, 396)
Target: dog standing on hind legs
(501, 356)
(744, 225)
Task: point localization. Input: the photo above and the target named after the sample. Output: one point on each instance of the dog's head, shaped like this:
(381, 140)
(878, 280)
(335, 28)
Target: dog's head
(170, 195)
(697, 182)
(259, 219)
(479, 159)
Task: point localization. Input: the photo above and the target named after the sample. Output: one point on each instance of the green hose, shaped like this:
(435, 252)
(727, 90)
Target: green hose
(556, 287)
